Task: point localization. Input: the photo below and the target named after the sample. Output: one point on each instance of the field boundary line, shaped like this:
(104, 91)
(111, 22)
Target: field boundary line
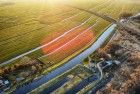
(71, 40)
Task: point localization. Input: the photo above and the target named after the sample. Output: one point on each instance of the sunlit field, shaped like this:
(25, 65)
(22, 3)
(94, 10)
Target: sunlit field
(27, 24)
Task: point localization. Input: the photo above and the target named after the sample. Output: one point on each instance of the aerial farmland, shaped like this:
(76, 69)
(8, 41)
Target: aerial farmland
(25, 26)
(39, 36)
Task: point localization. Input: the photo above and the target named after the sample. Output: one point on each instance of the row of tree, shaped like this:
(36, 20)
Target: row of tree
(25, 63)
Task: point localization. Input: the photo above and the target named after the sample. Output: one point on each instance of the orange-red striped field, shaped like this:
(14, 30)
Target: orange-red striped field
(67, 45)
(61, 41)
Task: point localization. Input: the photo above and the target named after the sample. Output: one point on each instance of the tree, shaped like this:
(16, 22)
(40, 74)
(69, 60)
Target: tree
(1, 71)
(125, 15)
(34, 68)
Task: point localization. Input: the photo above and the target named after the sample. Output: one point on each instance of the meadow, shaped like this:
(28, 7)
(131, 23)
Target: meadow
(26, 25)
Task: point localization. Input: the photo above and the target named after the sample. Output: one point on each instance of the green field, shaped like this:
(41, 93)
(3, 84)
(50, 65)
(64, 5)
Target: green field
(24, 25)
(75, 75)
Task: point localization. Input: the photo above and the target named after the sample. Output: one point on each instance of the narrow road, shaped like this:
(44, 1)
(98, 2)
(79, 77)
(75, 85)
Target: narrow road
(100, 69)
(68, 65)
(110, 19)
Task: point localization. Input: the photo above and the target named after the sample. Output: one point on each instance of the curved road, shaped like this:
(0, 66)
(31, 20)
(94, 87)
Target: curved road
(100, 69)
(68, 65)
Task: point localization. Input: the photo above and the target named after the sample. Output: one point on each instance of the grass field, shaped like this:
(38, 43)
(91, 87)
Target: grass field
(25, 24)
